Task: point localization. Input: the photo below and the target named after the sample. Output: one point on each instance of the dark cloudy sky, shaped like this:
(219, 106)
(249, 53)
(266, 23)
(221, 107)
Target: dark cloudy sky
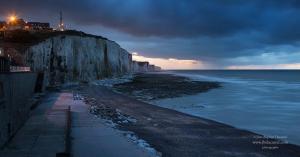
(205, 33)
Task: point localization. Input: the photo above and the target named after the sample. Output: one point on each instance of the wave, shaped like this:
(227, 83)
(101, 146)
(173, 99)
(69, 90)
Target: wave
(263, 105)
(240, 81)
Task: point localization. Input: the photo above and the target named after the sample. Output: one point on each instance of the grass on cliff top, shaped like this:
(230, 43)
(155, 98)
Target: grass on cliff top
(22, 36)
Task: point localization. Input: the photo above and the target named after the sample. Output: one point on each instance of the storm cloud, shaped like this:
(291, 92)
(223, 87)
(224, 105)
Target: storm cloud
(217, 30)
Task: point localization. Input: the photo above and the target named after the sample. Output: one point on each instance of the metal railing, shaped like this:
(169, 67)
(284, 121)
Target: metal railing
(19, 69)
(5, 67)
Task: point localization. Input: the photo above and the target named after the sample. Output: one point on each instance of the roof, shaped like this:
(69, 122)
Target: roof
(39, 23)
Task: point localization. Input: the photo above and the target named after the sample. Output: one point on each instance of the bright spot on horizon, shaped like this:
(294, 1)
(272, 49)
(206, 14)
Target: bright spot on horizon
(170, 63)
(294, 66)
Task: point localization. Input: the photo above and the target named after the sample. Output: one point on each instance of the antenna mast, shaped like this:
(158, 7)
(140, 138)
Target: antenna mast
(61, 26)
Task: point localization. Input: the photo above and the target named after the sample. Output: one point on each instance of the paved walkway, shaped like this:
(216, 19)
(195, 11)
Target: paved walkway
(92, 138)
(43, 135)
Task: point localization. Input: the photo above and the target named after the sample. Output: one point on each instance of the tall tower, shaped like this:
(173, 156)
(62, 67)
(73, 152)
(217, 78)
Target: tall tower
(61, 25)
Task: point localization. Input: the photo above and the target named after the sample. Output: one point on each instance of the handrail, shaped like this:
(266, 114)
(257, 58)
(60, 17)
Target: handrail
(19, 69)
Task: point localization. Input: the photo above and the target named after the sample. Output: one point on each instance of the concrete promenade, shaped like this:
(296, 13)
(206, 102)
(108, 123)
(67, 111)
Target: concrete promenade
(44, 134)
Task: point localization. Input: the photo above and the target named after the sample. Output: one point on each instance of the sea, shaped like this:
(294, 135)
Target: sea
(262, 101)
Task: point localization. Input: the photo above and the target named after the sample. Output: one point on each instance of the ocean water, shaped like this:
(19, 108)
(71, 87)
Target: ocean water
(263, 101)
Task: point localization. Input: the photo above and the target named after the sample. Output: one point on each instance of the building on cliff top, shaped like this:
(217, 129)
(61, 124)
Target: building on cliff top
(38, 26)
(15, 23)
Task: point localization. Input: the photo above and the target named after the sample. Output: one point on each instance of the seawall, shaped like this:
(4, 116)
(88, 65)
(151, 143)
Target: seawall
(16, 89)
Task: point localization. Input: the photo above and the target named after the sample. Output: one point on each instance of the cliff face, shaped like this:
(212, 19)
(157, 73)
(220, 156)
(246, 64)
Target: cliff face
(80, 58)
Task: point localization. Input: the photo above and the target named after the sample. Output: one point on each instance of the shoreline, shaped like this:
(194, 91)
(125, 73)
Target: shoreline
(261, 105)
(154, 86)
(178, 134)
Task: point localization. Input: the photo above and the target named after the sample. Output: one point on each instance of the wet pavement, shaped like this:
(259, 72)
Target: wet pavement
(45, 132)
(92, 137)
(43, 135)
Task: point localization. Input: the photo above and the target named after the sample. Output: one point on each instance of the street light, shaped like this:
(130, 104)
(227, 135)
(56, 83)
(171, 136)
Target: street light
(12, 18)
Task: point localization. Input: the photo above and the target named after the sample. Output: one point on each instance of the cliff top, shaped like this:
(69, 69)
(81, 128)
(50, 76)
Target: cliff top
(26, 37)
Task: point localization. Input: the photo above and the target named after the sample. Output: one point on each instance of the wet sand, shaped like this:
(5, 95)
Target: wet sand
(176, 134)
(154, 86)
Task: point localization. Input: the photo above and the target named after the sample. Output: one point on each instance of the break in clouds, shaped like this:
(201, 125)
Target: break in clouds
(219, 32)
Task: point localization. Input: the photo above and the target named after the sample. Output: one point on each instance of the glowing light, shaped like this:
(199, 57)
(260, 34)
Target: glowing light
(12, 18)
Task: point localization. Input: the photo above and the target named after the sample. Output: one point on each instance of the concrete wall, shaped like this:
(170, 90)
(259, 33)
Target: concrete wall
(15, 91)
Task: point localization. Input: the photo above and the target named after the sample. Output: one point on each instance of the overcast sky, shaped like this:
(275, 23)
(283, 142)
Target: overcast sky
(195, 33)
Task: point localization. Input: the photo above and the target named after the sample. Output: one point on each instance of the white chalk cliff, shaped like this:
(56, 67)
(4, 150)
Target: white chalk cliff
(66, 58)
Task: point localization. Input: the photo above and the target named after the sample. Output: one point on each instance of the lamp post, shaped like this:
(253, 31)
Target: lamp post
(12, 18)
